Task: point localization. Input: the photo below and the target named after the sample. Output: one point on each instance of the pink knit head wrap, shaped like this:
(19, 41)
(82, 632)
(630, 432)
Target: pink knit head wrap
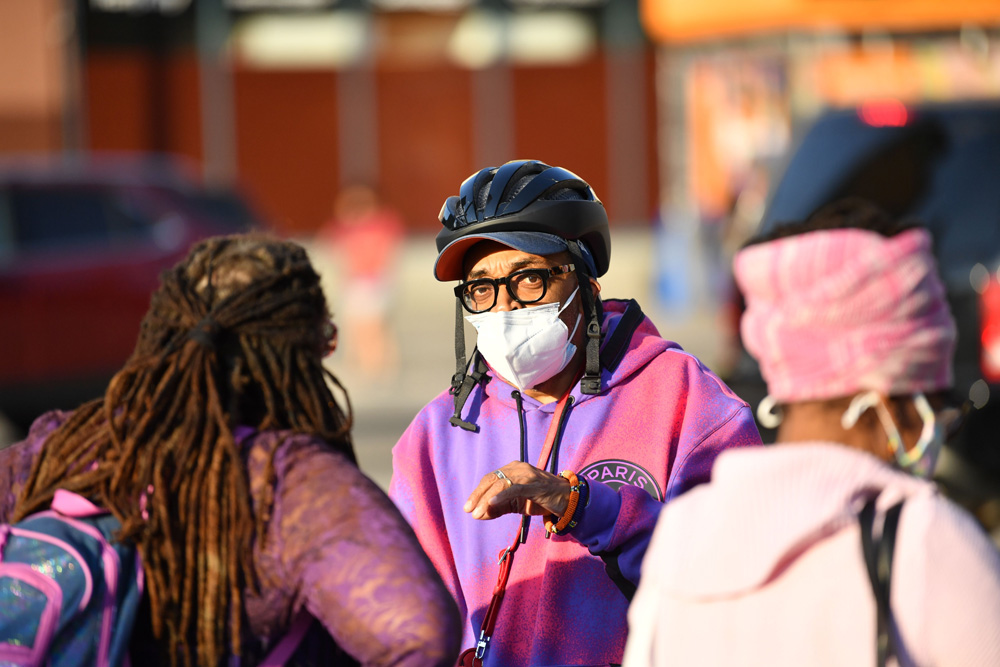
(831, 313)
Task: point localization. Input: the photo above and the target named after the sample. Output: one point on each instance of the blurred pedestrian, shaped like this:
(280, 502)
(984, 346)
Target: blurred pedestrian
(573, 408)
(222, 452)
(366, 236)
(832, 547)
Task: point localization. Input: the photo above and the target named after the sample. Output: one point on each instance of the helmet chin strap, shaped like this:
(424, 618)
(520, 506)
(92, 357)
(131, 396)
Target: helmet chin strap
(464, 379)
(591, 382)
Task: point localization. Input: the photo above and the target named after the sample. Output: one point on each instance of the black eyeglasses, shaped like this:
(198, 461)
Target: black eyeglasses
(526, 286)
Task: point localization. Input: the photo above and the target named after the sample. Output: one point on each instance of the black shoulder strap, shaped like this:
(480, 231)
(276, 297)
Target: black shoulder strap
(878, 559)
(591, 381)
(617, 344)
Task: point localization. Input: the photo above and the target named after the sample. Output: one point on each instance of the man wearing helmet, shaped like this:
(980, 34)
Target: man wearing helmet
(571, 408)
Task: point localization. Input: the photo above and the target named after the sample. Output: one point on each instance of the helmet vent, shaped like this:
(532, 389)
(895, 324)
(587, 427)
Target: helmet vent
(563, 194)
(557, 194)
(483, 196)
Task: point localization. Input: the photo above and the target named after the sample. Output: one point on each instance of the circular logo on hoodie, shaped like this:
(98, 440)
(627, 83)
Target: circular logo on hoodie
(616, 473)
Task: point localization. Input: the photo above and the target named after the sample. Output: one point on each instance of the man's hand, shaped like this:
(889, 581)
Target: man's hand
(524, 489)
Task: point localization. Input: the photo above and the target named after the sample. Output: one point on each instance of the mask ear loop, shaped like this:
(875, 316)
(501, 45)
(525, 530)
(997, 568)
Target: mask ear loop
(769, 413)
(861, 404)
(579, 316)
(569, 299)
(926, 412)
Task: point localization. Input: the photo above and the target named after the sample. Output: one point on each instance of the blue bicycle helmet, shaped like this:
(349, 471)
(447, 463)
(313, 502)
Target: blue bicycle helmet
(529, 206)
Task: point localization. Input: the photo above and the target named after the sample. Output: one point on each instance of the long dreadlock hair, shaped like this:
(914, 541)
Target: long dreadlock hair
(233, 336)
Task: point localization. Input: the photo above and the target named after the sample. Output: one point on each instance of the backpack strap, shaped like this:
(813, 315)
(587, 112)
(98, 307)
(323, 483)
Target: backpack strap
(591, 382)
(74, 505)
(617, 343)
(878, 553)
(284, 649)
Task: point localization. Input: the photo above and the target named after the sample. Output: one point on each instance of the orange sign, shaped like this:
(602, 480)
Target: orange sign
(699, 20)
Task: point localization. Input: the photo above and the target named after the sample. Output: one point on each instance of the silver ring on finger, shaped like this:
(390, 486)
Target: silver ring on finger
(500, 475)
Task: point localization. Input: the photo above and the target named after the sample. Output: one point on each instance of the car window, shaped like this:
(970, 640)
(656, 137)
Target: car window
(226, 209)
(940, 168)
(962, 208)
(897, 175)
(6, 226)
(842, 156)
(65, 216)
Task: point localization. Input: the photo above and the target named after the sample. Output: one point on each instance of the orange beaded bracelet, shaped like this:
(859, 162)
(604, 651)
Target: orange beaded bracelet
(551, 524)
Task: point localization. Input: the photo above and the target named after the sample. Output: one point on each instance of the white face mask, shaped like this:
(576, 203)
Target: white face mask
(526, 346)
(922, 459)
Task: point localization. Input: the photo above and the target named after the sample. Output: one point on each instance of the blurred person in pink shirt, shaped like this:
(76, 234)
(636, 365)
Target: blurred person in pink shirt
(367, 235)
(767, 564)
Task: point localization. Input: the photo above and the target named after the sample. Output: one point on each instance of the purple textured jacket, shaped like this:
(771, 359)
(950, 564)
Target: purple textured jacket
(651, 434)
(336, 546)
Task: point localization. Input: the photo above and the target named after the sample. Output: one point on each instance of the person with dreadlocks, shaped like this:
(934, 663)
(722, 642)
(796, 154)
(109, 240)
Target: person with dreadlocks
(221, 450)
(574, 408)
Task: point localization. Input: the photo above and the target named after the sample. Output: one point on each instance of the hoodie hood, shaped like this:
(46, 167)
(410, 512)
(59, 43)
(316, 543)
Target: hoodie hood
(773, 502)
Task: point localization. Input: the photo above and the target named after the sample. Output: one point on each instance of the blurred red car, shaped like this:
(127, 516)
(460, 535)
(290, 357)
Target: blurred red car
(82, 244)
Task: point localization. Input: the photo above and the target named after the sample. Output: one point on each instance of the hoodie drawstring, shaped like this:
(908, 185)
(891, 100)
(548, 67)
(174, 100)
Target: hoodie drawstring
(519, 401)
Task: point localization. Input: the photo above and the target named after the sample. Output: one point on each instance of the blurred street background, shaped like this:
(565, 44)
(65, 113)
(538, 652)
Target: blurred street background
(267, 113)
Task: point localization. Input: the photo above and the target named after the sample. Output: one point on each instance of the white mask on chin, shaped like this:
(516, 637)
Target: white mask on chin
(526, 346)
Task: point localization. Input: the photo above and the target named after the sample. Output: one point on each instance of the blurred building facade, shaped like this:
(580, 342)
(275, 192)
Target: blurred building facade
(671, 109)
(292, 99)
(33, 76)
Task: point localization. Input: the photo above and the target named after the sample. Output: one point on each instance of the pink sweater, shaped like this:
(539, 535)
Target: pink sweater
(763, 566)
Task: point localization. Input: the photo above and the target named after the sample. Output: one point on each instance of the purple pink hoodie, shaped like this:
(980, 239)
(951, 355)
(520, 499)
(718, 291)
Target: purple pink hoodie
(651, 434)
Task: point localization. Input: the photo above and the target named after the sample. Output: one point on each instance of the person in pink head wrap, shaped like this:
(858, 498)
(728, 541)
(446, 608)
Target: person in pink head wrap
(768, 563)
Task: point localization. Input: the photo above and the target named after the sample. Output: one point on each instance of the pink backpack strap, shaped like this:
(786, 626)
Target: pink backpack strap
(72, 504)
(284, 649)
